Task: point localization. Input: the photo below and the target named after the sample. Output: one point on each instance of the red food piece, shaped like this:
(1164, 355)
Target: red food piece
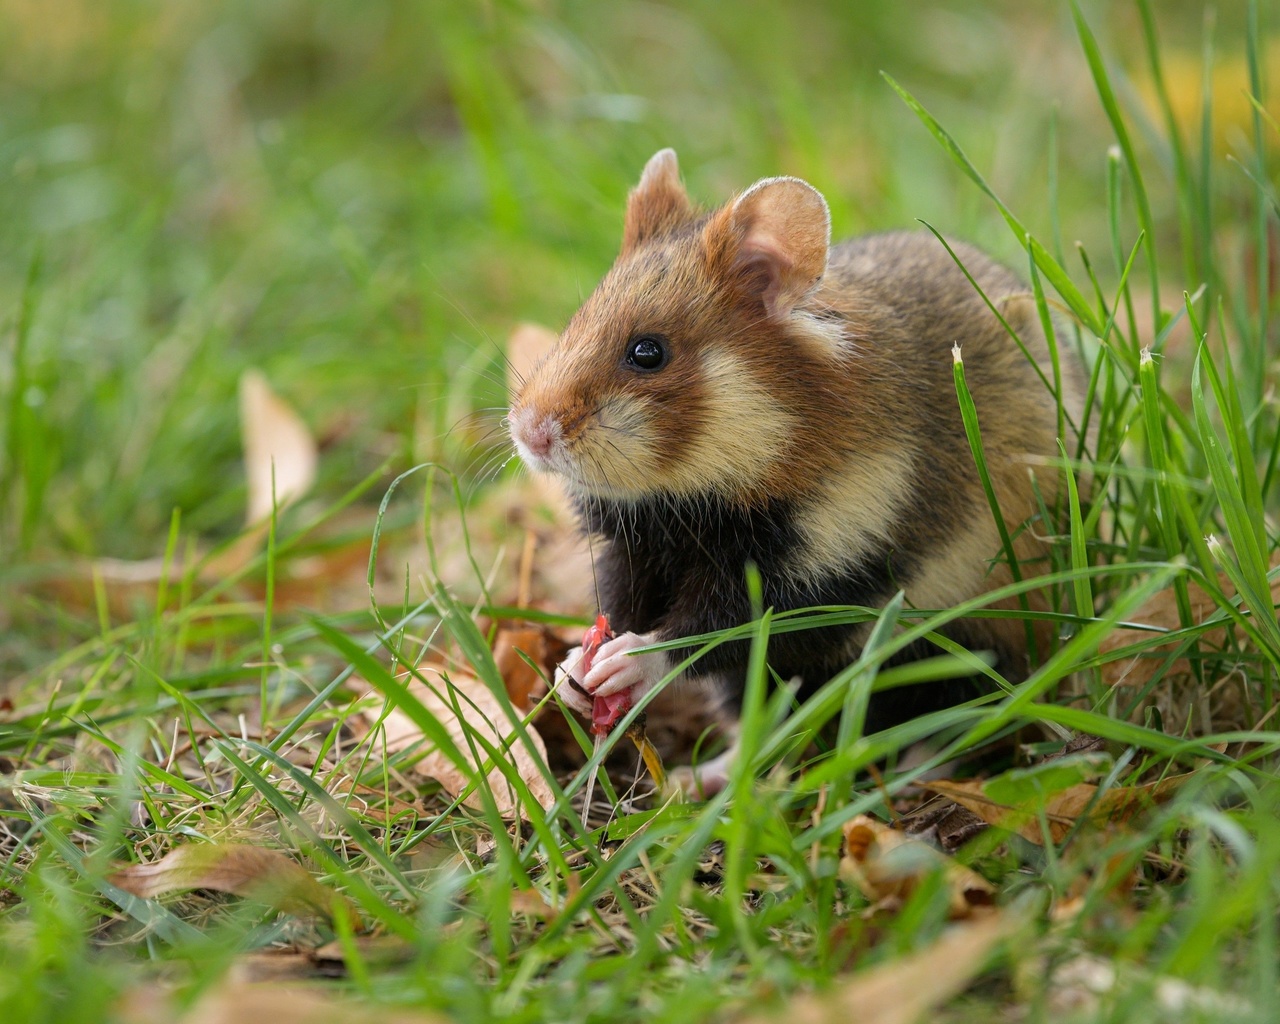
(604, 710)
(595, 638)
(607, 710)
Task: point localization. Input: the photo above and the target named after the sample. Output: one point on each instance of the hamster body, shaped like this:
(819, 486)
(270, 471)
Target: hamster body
(737, 390)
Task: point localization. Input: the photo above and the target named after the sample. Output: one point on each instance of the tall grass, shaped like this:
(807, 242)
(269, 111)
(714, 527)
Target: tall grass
(356, 196)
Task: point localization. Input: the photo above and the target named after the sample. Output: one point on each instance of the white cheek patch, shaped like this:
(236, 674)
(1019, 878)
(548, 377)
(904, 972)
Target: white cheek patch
(855, 513)
(743, 428)
(617, 452)
(613, 455)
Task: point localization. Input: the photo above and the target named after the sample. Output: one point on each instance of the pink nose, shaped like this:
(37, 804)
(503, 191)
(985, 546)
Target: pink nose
(537, 435)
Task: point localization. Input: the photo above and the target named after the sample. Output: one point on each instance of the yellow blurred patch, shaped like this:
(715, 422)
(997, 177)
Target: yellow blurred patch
(1232, 111)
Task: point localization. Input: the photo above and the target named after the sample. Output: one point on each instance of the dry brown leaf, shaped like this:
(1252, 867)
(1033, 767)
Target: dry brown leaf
(887, 864)
(1063, 809)
(374, 950)
(528, 344)
(483, 716)
(277, 1002)
(531, 903)
(329, 580)
(1161, 610)
(280, 459)
(278, 448)
(248, 871)
(525, 686)
(905, 989)
(275, 965)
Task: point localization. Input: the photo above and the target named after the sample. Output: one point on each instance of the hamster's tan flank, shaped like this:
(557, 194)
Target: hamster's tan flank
(737, 390)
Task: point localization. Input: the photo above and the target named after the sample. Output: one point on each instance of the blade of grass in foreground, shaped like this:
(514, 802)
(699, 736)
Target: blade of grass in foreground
(1256, 354)
(367, 896)
(973, 432)
(1181, 165)
(1226, 393)
(146, 912)
(1253, 584)
(1063, 661)
(1102, 82)
(742, 777)
(1044, 260)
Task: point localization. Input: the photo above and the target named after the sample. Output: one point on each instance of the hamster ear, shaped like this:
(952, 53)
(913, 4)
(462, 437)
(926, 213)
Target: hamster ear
(658, 204)
(783, 231)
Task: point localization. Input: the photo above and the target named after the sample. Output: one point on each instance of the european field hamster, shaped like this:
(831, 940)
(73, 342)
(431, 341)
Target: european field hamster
(737, 390)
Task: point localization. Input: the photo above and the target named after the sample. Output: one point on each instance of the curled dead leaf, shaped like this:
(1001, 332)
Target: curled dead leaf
(280, 460)
(527, 344)
(280, 456)
(373, 950)
(472, 716)
(887, 864)
(525, 685)
(1161, 611)
(1061, 809)
(278, 1002)
(252, 872)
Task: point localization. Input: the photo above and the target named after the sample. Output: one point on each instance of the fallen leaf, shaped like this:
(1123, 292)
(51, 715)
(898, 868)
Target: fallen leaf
(280, 459)
(531, 903)
(1061, 809)
(252, 872)
(280, 456)
(374, 950)
(887, 864)
(477, 713)
(907, 988)
(1161, 611)
(249, 1002)
(275, 965)
(525, 686)
(527, 344)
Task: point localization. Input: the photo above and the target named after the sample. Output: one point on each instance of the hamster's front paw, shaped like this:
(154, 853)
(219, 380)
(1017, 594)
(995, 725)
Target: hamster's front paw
(616, 669)
(568, 680)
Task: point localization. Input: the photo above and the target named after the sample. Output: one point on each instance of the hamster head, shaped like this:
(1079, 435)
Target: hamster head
(686, 371)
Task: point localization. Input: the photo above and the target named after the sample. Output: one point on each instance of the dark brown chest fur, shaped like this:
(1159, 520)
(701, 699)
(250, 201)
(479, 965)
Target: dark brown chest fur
(679, 568)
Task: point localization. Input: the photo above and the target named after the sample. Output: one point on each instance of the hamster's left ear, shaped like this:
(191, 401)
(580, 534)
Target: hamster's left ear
(659, 204)
(775, 238)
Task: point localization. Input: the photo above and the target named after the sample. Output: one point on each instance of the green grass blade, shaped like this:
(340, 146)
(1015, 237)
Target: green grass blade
(1106, 94)
(1256, 354)
(1044, 260)
(1157, 448)
(146, 912)
(337, 812)
(973, 432)
(1255, 588)
(1181, 163)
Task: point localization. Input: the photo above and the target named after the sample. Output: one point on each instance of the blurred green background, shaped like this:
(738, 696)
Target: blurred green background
(362, 197)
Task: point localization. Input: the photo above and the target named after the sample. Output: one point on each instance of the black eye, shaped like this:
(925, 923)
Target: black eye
(647, 352)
